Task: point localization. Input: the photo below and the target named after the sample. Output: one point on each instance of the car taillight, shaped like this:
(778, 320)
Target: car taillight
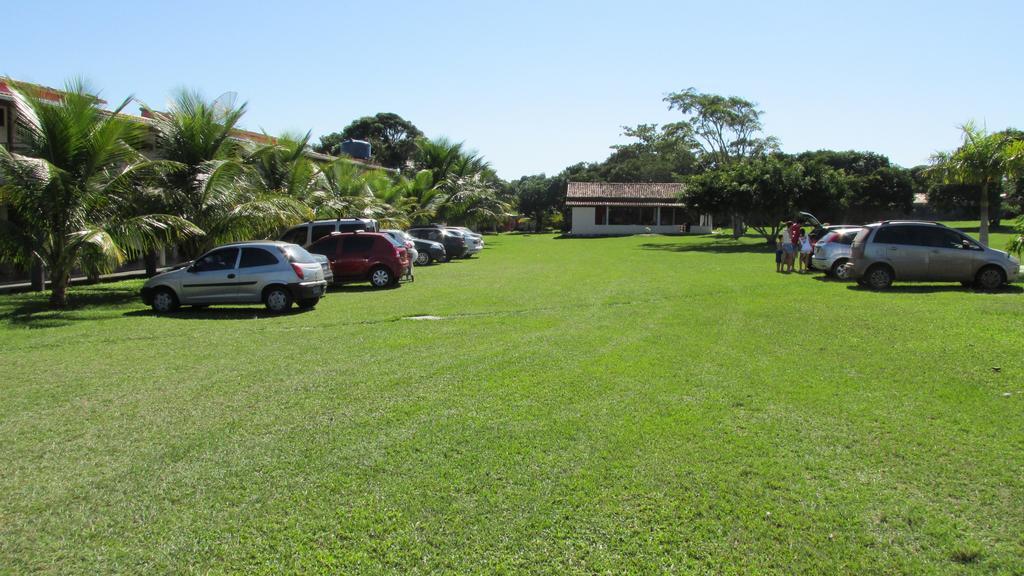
(298, 271)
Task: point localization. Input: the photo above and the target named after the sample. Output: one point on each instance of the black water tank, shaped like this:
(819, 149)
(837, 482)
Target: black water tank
(356, 148)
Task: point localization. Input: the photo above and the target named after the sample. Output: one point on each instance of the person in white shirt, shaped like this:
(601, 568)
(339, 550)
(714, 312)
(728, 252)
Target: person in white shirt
(805, 251)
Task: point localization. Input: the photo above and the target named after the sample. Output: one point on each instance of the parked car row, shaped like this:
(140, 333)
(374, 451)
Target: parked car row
(307, 258)
(878, 254)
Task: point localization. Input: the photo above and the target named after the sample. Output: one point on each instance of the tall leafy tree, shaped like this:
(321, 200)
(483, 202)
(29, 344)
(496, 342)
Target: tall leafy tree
(538, 197)
(769, 189)
(80, 167)
(726, 129)
(393, 138)
(982, 160)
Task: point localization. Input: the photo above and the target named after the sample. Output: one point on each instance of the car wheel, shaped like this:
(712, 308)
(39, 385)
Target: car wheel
(308, 303)
(423, 259)
(164, 301)
(879, 277)
(277, 299)
(990, 278)
(381, 278)
(839, 270)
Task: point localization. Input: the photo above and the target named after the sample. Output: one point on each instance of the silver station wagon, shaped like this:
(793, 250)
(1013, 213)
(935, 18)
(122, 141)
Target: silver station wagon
(910, 251)
(275, 273)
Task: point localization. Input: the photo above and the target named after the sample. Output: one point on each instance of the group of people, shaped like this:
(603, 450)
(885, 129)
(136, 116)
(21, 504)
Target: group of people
(792, 244)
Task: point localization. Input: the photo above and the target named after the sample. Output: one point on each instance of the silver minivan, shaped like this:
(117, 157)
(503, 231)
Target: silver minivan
(275, 273)
(911, 251)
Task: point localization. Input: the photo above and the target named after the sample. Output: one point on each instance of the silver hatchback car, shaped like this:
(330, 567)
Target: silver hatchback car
(832, 252)
(275, 273)
(912, 251)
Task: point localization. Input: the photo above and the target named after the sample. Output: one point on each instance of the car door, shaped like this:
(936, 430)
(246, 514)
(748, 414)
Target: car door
(354, 259)
(255, 265)
(212, 278)
(900, 246)
(948, 258)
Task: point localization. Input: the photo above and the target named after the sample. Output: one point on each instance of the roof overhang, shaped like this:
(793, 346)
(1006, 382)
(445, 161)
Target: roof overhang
(641, 203)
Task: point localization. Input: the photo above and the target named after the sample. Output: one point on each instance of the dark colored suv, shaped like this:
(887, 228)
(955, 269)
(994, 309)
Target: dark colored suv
(454, 244)
(363, 257)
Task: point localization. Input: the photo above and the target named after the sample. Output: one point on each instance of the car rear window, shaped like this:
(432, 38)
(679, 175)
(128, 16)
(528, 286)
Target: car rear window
(298, 254)
(394, 241)
(252, 257)
(847, 237)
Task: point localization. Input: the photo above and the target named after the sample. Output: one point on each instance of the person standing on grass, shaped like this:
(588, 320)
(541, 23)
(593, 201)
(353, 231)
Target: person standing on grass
(788, 248)
(805, 251)
(778, 253)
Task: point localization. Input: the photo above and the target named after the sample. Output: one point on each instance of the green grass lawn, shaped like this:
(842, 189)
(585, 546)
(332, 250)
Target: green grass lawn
(628, 405)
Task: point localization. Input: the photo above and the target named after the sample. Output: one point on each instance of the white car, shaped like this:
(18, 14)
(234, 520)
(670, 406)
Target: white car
(275, 273)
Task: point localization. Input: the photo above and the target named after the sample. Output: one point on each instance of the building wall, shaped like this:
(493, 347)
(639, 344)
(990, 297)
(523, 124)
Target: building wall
(583, 225)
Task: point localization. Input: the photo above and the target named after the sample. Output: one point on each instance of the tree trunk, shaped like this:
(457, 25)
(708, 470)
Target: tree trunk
(540, 223)
(737, 225)
(59, 289)
(37, 274)
(983, 227)
(150, 261)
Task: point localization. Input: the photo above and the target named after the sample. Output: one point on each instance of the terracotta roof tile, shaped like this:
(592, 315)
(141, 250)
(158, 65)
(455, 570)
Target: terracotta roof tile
(624, 193)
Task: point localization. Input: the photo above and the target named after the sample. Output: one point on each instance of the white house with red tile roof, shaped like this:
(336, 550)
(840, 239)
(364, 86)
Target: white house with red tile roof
(619, 209)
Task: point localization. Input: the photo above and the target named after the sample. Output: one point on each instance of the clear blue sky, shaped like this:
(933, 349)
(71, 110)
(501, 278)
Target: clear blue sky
(536, 86)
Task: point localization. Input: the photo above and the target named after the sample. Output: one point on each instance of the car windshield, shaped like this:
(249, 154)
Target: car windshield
(298, 254)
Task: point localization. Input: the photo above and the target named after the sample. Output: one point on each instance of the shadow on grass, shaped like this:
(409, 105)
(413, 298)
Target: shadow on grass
(713, 248)
(354, 288)
(33, 310)
(937, 288)
(218, 313)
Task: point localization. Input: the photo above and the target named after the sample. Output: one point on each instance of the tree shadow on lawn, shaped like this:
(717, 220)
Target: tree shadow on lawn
(33, 310)
(713, 248)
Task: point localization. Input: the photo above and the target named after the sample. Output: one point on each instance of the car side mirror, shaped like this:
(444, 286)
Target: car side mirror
(192, 269)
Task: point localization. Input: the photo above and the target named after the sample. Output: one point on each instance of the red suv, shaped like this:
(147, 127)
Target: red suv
(363, 257)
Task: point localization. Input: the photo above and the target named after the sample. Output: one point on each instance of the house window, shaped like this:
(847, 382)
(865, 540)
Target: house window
(673, 216)
(600, 212)
(623, 215)
(648, 216)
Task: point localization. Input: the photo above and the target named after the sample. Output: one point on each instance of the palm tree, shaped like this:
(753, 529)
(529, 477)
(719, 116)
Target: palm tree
(213, 187)
(1015, 169)
(283, 167)
(982, 160)
(340, 190)
(81, 165)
